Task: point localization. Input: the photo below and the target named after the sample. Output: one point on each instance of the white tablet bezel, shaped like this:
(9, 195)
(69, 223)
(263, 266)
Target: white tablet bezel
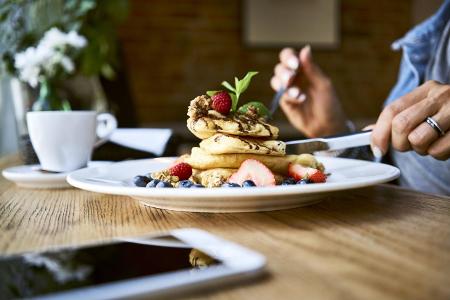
(237, 263)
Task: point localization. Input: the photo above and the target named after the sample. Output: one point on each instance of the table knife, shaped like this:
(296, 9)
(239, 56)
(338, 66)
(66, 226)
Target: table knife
(357, 139)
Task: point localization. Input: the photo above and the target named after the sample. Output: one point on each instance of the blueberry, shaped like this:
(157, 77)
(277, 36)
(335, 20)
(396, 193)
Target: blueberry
(248, 183)
(288, 181)
(197, 186)
(164, 184)
(141, 181)
(303, 181)
(230, 184)
(153, 183)
(185, 184)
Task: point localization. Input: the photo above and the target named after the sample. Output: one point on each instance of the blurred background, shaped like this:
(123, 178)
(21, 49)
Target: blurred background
(168, 52)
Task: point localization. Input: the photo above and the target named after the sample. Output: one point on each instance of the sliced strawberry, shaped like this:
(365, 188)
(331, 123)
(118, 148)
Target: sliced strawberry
(298, 172)
(317, 177)
(254, 170)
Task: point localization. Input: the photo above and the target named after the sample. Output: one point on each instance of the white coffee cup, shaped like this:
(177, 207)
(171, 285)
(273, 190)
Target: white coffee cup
(64, 140)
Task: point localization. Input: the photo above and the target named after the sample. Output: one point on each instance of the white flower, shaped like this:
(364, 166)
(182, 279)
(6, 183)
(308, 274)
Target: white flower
(67, 64)
(53, 38)
(51, 52)
(27, 64)
(76, 40)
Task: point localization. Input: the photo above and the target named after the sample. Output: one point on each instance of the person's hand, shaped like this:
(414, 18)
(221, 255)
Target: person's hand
(310, 102)
(402, 123)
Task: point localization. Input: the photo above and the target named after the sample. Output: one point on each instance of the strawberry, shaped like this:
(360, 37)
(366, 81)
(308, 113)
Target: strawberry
(221, 102)
(299, 172)
(182, 170)
(318, 177)
(254, 170)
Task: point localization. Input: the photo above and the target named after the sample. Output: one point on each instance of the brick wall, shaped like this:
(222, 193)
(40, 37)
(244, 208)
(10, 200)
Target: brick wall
(175, 50)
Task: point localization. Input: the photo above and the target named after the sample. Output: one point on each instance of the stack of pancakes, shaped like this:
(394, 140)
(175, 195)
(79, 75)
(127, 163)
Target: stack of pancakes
(227, 141)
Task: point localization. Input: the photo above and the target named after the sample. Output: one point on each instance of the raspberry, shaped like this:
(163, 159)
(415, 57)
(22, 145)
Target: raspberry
(221, 102)
(182, 170)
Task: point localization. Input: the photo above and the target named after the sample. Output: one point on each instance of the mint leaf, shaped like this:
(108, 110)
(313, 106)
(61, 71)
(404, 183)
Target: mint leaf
(244, 82)
(261, 109)
(234, 101)
(228, 86)
(211, 93)
(239, 87)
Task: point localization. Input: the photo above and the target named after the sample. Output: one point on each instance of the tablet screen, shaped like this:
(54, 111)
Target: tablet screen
(41, 273)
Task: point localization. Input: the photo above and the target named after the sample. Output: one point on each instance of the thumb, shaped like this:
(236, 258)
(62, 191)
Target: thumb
(310, 69)
(369, 127)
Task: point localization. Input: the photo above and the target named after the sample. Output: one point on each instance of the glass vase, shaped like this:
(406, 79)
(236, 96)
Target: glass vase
(48, 97)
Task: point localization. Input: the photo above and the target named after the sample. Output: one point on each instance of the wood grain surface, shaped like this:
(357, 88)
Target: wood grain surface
(381, 242)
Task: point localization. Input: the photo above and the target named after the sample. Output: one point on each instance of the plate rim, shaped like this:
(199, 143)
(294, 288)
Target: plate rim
(230, 193)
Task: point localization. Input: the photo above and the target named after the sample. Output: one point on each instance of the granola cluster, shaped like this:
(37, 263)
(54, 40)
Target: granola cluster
(164, 175)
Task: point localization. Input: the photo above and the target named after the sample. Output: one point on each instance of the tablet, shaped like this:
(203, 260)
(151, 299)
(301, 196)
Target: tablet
(151, 266)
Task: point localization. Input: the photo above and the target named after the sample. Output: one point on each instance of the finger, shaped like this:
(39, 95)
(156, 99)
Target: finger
(369, 127)
(288, 57)
(381, 133)
(296, 93)
(424, 135)
(407, 120)
(293, 92)
(311, 70)
(440, 149)
(276, 83)
(289, 98)
(284, 73)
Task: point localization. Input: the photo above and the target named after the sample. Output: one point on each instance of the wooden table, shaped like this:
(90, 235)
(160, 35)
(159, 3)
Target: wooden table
(381, 242)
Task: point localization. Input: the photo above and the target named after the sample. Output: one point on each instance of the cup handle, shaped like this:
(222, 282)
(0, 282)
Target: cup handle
(106, 124)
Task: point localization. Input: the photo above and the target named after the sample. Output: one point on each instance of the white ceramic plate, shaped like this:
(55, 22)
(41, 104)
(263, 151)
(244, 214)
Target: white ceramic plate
(32, 176)
(116, 179)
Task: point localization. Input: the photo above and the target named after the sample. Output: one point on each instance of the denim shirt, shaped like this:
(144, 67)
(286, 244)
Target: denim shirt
(426, 55)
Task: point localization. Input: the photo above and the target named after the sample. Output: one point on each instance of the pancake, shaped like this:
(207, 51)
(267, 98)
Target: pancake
(204, 122)
(200, 159)
(223, 144)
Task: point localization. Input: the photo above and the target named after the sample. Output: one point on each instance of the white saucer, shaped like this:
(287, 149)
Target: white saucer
(32, 176)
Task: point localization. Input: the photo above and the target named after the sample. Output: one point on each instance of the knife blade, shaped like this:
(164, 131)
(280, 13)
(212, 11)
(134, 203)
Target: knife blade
(357, 139)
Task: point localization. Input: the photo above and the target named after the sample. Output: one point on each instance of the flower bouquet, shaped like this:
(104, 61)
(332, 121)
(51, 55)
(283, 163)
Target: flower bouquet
(49, 44)
(50, 61)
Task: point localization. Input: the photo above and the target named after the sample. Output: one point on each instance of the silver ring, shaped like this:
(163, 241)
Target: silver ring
(430, 121)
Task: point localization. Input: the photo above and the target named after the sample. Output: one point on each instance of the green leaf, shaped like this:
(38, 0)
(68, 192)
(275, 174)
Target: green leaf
(237, 87)
(244, 82)
(65, 105)
(260, 108)
(234, 101)
(236, 83)
(228, 86)
(211, 93)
